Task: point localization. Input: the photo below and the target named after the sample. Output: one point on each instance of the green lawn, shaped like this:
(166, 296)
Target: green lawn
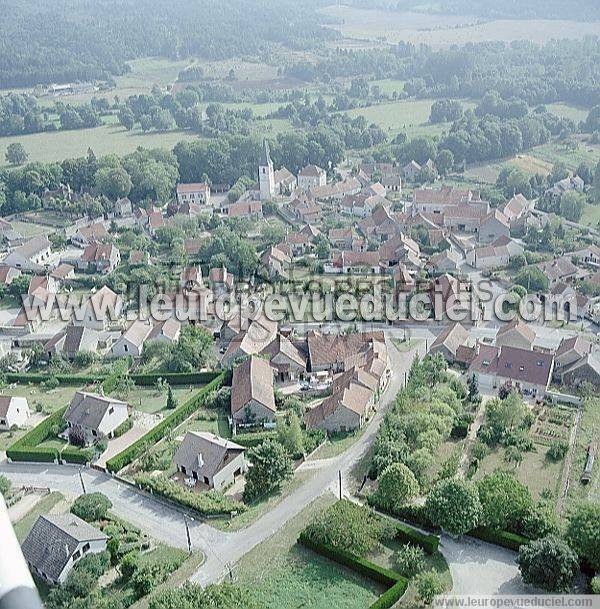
(163, 553)
(149, 401)
(43, 506)
(30, 229)
(591, 216)
(49, 400)
(389, 85)
(338, 444)
(575, 113)
(59, 145)
(284, 575)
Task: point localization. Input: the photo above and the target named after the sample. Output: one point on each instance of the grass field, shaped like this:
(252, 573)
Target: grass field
(536, 470)
(575, 113)
(411, 116)
(589, 431)
(591, 216)
(107, 139)
(389, 85)
(284, 575)
(445, 30)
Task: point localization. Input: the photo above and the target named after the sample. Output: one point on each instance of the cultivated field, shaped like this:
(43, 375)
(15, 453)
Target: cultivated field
(445, 30)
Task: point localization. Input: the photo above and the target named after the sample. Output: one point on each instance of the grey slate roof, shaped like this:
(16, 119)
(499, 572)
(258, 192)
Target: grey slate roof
(215, 453)
(53, 540)
(88, 409)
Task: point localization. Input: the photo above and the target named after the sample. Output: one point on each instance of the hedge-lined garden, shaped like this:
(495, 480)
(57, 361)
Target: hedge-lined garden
(135, 450)
(28, 447)
(378, 548)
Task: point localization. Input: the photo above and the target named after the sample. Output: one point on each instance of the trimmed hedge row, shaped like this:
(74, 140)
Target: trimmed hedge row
(27, 448)
(142, 380)
(506, 539)
(180, 414)
(407, 534)
(397, 583)
(253, 439)
(211, 503)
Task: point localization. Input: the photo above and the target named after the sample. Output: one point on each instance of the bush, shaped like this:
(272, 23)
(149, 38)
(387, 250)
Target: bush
(5, 486)
(557, 450)
(548, 563)
(92, 507)
(505, 539)
(595, 585)
(539, 521)
(429, 585)
(429, 543)
(504, 500)
(583, 532)
(271, 466)
(397, 484)
(350, 527)
(95, 564)
(211, 503)
(410, 560)
(129, 565)
(454, 505)
(124, 427)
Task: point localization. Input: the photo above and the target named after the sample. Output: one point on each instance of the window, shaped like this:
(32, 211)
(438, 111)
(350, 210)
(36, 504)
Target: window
(126, 347)
(111, 410)
(86, 548)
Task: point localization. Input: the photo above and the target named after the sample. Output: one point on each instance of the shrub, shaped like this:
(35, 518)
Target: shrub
(350, 527)
(504, 500)
(410, 560)
(124, 427)
(539, 521)
(557, 450)
(505, 539)
(92, 507)
(595, 585)
(95, 564)
(129, 565)
(397, 484)
(454, 505)
(429, 585)
(429, 543)
(583, 532)
(548, 563)
(5, 486)
(211, 503)
(271, 466)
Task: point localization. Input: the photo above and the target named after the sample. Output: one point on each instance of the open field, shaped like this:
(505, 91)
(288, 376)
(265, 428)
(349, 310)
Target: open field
(411, 116)
(445, 30)
(575, 113)
(389, 85)
(589, 431)
(591, 216)
(285, 575)
(536, 470)
(107, 139)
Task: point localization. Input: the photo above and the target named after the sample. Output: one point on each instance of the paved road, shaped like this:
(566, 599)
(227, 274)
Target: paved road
(224, 549)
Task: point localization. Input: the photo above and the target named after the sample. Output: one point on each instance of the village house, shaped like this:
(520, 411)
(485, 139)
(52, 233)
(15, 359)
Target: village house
(588, 255)
(341, 238)
(488, 257)
(311, 176)
(516, 334)
(9, 236)
(91, 417)
(100, 310)
(220, 281)
(351, 262)
(276, 262)
(336, 191)
(14, 412)
(555, 192)
(571, 351)
(346, 410)
(247, 341)
(403, 280)
(380, 224)
(123, 208)
(245, 208)
(463, 218)
(100, 258)
(447, 261)
(190, 277)
(210, 460)
(438, 200)
(8, 274)
(88, 235)
(63, 272)
(517, 210)
(411, 171)
(528, 371)
(57, 542)
(252, 396)
(167, 331)
(493, 226)
(155, 221)
(559, 270)
(586, 370)
(71, 341)
(287, 362)
(132, 340)
(196, 193)
(449, 341)
(138, 258)
(305, 209)
(32, 256)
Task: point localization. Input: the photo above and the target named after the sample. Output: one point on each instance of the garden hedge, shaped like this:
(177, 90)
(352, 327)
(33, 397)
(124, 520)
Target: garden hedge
(506, 539)
(142, 380)
(180, 414)
(397, 583)
(407, 534)
(27, 448)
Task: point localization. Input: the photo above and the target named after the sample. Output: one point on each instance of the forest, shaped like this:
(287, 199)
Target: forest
(82, 40)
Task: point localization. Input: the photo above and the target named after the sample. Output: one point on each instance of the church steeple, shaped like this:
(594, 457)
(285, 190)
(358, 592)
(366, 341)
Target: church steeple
(266, 175)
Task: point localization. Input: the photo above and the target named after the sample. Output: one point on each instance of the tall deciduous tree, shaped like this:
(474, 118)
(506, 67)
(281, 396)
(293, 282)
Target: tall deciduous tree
(454, 505)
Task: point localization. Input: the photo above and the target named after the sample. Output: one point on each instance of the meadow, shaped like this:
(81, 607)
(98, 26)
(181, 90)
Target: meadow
(445, 30)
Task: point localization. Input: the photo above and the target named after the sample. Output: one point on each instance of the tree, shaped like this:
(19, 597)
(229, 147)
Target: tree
(429, 585)
(397, 484)
(113, 183)
(91, 507)
(505, 415)
(129, 564)
(504, 500)
(557, 450)
(533, 279)
(16, 154)
(171, 400)
(548, 563)
(540, 520)
(444, 161)
(126, 118)
(290, 435)
(583, 532)
(271, 466)
(473, 385)
(572, 205)
(595, 192)
(454, 505)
